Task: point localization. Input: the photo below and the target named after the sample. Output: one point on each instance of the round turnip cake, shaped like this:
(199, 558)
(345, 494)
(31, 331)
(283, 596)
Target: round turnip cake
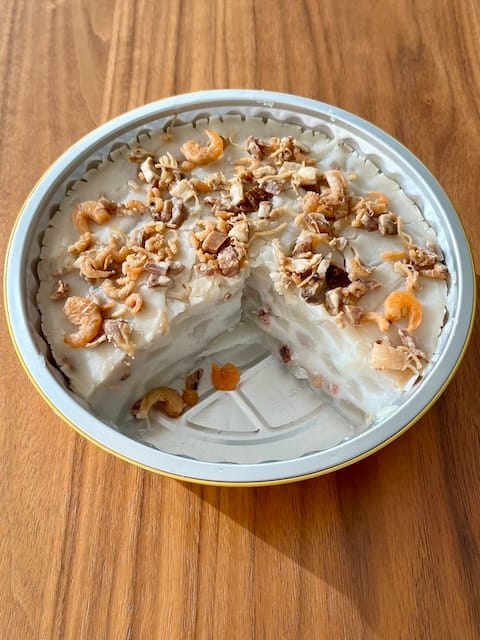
(245, 227)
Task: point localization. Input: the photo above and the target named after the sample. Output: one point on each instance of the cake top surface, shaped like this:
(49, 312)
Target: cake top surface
(181, 220)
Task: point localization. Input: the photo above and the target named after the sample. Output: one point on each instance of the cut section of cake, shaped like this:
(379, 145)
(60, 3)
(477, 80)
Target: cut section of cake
(171, 242)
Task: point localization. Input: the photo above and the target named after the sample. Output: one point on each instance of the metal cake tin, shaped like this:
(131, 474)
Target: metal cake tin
(392, 158)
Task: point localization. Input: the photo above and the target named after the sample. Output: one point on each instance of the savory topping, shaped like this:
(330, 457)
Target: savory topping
(82, 244)
(147, 168)
(403, 304)
(384, 356)
(214, 241)
(60, 290)
(337, 277)
(310, 232)
(353, 314)
(173, 213)
(167, 400)
(359, 271)
(388, 224)
(225, 378)
(84, 314)
(98, 211)
(199, 155)
(190, 388)
(134, 302)
(228, 261)
(121, 292)
(119, 333)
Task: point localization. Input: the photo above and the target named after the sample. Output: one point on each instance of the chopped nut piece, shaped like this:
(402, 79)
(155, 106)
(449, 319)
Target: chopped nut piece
(205, 269)
(303, 266)
(264, 209)
(174, 213)
(333, 301)
(148, 169)
(388, 224)
(174, 268)
(353, 314)
(303, 243)
(158, 272)
(156, 280)
(256, 147)
(239, 231)
(365, 215)
(305, 176)
(236, 193)
(157, 268)
(274, 186)
(355, 290)
(252, 199)
(339, 243)
(214, 242)
(314, 291)
(317, 222)
(228, 261)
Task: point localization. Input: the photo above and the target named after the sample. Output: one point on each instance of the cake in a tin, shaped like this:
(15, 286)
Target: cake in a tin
(172, 241)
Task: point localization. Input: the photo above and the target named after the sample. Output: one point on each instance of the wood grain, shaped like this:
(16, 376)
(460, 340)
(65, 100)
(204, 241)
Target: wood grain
(91, 547)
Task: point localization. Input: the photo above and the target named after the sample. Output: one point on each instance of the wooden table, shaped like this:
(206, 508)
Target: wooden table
(92, 547)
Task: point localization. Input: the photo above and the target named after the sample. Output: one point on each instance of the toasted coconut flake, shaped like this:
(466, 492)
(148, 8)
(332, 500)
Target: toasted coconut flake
(119, 333)
(60, 290)
(384, 356)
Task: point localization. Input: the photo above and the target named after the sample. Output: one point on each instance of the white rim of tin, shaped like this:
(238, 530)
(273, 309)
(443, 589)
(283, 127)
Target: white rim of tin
(28, 341)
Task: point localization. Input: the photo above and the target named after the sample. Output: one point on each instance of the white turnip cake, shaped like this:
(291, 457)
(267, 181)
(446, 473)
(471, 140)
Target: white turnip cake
(172, 241)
